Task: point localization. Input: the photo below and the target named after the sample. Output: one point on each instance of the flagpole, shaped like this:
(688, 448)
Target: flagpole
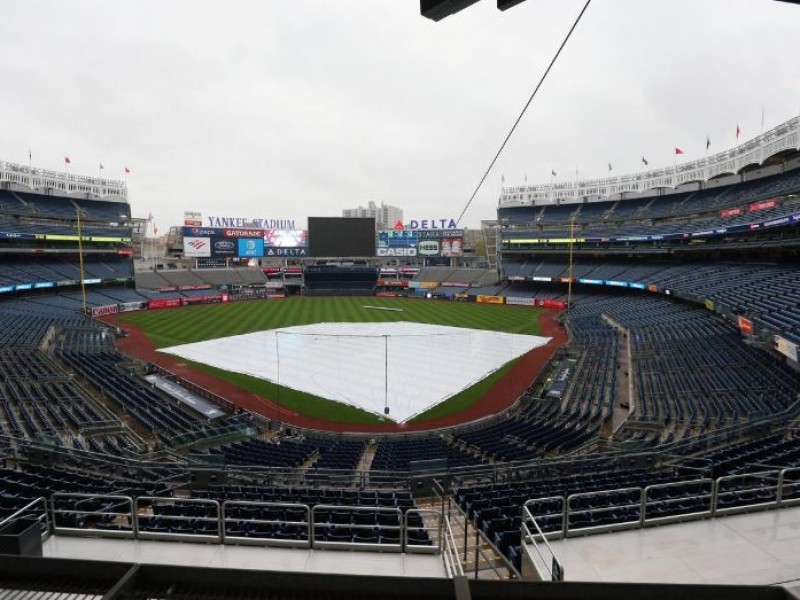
(30, 168)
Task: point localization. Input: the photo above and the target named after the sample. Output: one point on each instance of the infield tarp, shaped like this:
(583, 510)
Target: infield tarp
(347, 362)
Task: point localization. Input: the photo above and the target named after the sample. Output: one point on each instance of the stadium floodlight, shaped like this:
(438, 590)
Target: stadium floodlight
(506, 4)
(437, 10)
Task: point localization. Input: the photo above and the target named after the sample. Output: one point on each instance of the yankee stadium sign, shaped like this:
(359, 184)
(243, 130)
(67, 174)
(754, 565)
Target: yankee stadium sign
(242, 223)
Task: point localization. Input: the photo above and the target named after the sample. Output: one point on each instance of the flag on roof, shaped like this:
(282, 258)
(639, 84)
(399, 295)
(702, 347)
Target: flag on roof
(127, 170)
(644, 160)
(708, 142)
(553, 173)
(67, 160)
(678, 151)
(738, 131)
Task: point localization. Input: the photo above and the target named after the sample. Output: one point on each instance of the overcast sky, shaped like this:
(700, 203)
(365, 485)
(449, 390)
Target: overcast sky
(268, 109)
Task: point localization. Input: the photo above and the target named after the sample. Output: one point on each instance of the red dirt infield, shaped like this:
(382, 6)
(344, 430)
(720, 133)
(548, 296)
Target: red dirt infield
(499, 397)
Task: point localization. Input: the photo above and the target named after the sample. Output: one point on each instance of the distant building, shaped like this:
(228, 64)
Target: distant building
(385, 216)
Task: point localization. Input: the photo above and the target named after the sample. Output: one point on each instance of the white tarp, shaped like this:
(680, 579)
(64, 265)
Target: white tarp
(348, 362)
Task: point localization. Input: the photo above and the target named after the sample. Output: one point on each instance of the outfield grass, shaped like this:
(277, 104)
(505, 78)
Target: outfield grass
(181, 326)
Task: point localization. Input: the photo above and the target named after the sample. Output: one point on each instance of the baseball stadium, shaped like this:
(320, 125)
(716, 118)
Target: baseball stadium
(604, 402)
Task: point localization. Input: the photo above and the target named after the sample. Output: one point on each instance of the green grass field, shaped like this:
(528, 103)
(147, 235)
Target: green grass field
(181, 326)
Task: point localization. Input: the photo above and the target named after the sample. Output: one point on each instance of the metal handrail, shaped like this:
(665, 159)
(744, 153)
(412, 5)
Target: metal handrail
(184, 537)
(28, 508)
(648, 501)
(794, 484)
(450, 554)
(266, 541)
(480, 535)
(720, 493)
(314, 524)
(604, 509)
(118, 533)
(555, 568)
(436, 547)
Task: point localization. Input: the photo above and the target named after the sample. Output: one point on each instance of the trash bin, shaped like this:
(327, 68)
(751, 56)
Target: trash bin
(21, 537)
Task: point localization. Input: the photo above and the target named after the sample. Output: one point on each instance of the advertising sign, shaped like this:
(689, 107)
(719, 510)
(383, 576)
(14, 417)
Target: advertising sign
(286, 252)
(221, 247)
(201, 231)
(730, 212)
(396, 251)
(436, 234)
(108, 309)
(520, 301)
(709, 304)
(420, 242)
(396, 239)
(286, 238)
(548, 303)
(785, 347)
(428, 248)
(489, 299)
(746, 326)
(157, 303)
(251, 248)
(131, 306)
(192, 219)
(452, 246)
(431, 224)
(6, 235)
(194, 247)
(428, 285)
(763, 205)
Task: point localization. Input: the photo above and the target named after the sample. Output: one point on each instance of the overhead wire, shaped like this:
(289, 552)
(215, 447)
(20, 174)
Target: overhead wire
(524, 109)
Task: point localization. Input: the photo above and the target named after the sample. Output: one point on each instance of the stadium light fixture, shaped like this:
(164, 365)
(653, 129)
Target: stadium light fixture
(437, 10)
(506, 4)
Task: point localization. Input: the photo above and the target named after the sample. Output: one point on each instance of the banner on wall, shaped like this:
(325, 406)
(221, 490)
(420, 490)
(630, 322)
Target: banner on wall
(746, 326)
(520, 301)
(192, 219)
(197, 247)
(763, 205)
(548, 303)
(489, 299)
(785, 347)
(108, 309)
(158, 303)
(251, 248)
(132, 306)
(730, 212)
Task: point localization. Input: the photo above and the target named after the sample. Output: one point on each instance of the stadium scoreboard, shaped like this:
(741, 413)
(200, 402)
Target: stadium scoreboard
(339, 237)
